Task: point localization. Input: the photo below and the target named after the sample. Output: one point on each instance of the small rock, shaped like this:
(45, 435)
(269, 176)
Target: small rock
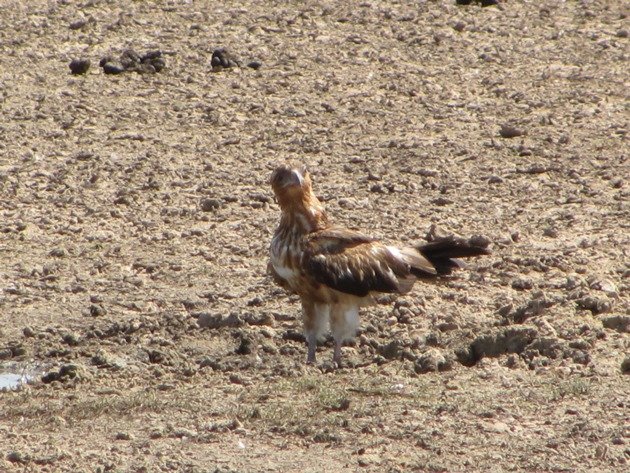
(254, 65)
(214, 321)
(17, 457)
(625, 365)
(28, 332)
(5, 353)
(57, 252)
(391, 351)
(80, 23)
(550, 232)
(79, 66)
(432, 360)
(622, 34)
(71, 339)
(113, 68)
(510, 131)
(123, 436)
(66, 372)
(606, 286)
(597, 305)
(442, 201)
(209, 205)
(522, 284)
(508, 340)
(184, 433)
(245, 347)
(97, 310)
(129, 59)
(222, 59)
(620, 323)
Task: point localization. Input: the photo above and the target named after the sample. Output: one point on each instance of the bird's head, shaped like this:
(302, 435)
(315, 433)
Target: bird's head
(290, 184)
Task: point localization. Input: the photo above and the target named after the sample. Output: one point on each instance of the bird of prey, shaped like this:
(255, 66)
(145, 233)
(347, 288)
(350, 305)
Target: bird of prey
(335, 270)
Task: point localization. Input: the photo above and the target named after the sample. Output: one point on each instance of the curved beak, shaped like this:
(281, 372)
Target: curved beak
(296, 178)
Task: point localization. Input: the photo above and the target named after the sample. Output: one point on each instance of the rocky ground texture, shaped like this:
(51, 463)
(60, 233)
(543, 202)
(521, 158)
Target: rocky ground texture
(135, 217)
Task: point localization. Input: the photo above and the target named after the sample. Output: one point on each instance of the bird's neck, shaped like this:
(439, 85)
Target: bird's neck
(305, 215)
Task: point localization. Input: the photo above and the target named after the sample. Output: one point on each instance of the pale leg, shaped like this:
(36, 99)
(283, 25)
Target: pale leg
(344, 321)
(315, 318)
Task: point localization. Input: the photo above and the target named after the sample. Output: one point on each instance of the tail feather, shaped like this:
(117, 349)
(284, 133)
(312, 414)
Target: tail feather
(442, 254)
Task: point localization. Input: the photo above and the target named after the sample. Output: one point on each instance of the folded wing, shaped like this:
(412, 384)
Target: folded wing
(353, 263)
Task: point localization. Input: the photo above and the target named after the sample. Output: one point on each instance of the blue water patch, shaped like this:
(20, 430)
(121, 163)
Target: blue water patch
(16, 375)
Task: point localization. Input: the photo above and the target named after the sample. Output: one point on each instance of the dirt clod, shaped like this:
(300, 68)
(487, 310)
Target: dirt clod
(79, 66)
(510, 131)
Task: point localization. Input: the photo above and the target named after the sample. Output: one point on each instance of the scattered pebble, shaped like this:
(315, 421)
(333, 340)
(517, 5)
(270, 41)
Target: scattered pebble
(17, 457)
(522, 284)
(130, 61)
(214, 321)
(510, 131)
(620, 323)
(597, 305)
(209, 205)
(28, 332)
(79, 66)
(222, 59)
(112, 68)
(245, 346)
(432, 361)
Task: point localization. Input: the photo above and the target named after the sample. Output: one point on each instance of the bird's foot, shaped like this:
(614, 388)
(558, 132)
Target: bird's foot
(337, 355)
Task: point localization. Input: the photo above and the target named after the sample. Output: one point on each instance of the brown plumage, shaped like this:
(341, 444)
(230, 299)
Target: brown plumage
(335, 270)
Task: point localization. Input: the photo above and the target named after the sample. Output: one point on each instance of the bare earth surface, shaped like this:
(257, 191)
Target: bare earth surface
(135, 218)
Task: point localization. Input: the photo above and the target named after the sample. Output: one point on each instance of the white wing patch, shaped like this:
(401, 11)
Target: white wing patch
(395, 252)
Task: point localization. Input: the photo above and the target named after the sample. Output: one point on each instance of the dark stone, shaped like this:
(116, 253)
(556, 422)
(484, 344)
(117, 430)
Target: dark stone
(79, 66)
(113, 68)
(245, 347)
(509, 131)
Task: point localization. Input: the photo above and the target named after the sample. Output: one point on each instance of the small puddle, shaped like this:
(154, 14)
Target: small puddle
(15, 375)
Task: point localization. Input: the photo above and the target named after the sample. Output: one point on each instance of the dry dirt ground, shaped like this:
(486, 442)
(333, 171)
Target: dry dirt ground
(135, 218)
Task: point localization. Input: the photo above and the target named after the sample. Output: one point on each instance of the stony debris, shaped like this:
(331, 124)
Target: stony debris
(483, 3)
(70, 371)
(130, 61)
(510, 131)
(79, 66)
(214, 321)
(502, 341)
(596, 304)
(620, 323)
(432, 360)
(223, 59)
(245, 346)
